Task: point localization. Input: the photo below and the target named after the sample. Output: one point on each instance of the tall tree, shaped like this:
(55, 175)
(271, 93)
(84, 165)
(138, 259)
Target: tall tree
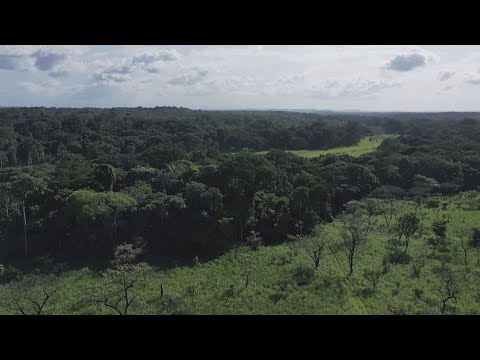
(26, 188)
(355, 229)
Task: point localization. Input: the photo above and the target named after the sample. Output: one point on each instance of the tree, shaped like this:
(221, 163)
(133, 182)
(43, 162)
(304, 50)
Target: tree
(117, 289)
(388, 209)
(25, 188)
(87, 207)
(439, 241)
(463, 236)
(247, 265)
(314, 249)
(105, 176)
(447, 286)
(3, 159)
(407, 225)
(355, 229)
(30, 295)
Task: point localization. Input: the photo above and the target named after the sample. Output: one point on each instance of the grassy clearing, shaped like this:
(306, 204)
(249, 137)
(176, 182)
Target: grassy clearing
(366, 145)
(283, 283)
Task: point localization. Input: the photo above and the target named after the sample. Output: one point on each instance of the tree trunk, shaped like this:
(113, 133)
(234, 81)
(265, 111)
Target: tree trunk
(25, 228)
(350, 263)
(115, 227)
(406, 245)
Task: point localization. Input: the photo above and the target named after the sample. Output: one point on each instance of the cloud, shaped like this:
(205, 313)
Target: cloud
(445, 75)
(473, 78)
(350, 89)
(36, 57)
(46, 59)
(406, 62)
(110, 77)
(50, 87)
(8, 62)
(189, 78)
(121, 69)
(153, 56)
(447, 87)
(58, 74)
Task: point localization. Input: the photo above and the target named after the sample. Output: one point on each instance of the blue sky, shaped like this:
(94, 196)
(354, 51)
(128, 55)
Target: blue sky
(342, 77)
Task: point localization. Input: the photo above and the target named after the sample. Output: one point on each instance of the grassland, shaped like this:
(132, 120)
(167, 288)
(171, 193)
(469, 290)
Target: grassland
(366, 145)
(283, 284)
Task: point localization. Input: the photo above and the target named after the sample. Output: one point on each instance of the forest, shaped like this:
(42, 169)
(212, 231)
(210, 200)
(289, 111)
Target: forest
(125, 204)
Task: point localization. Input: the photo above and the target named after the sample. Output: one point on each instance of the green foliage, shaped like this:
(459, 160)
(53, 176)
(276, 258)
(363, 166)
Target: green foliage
(407, 225)
(475, 238)
(440, 228)
(373, 276)
(89, 206)
(105, 176)
(303, 275)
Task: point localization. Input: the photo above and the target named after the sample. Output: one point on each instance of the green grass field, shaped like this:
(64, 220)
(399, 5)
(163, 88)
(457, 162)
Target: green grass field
(366, 145)
(217, 287)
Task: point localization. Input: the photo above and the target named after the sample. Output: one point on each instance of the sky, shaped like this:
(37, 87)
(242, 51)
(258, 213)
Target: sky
(333, 77)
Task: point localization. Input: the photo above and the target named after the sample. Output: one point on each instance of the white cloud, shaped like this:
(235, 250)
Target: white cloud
(445, 75)
(370, 77)
(189, 77)
(473, 78)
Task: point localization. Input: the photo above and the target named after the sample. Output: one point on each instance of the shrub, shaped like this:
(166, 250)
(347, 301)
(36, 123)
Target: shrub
(254, 240)
(417, 266)
(170, 303)
(372, 276)
(303, 275)
(432, 203)
(475, 238)
(440, 228)
(396, 257)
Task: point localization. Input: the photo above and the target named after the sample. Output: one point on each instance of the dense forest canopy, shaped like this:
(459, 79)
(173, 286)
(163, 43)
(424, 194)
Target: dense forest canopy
(75, 183)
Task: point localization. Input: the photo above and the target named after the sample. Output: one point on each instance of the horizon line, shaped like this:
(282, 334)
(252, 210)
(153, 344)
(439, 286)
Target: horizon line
(243, 109)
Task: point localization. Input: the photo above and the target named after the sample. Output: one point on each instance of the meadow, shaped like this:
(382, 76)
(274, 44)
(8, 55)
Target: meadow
(284, 281)
(366, 145)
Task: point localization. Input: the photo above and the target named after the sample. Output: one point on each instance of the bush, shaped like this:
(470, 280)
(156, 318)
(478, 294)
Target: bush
(396, 257)
(303, 275)
(372, 276)
(417, 266)
(475, 238)
(440, 228)
(254, 241)
(281, 259)
(432, 203)
(9, 274)
(393, 243)
(170, 303)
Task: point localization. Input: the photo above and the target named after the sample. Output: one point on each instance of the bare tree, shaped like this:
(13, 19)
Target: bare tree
(30, 294)
(314, 249)
(447, 286)
(355, 229)
(389, 211)
(117, 290)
